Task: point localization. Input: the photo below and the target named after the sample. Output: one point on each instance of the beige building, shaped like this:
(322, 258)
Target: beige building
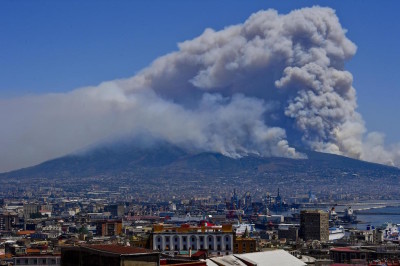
(244, 245)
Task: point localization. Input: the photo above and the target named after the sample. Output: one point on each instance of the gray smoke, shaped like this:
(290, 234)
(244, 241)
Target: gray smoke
(252, 88)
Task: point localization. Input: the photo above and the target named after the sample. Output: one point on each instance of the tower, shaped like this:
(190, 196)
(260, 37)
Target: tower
(314, 225)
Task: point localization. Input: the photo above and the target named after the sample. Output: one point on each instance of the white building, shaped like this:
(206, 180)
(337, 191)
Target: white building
(218, 240)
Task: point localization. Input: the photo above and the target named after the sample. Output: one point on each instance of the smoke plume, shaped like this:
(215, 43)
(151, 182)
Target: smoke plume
(261, 87)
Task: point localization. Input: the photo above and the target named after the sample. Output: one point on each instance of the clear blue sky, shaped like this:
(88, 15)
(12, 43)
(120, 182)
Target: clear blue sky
(56, 46)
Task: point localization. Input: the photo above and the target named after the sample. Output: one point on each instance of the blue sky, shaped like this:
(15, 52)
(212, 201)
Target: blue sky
(57, 46)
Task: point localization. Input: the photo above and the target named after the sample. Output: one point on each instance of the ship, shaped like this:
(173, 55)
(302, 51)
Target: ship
(391, 232)
(336, 233)
(184, 219)
(349, 216)
(333, 217)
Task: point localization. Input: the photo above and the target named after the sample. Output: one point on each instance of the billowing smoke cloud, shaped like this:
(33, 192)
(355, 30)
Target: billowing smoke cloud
(261, 87)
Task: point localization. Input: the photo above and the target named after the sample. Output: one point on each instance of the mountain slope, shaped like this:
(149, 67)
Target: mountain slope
(170, 161)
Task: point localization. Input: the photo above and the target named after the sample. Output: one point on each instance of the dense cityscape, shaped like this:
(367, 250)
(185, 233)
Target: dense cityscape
(199, 133)
(53, 223)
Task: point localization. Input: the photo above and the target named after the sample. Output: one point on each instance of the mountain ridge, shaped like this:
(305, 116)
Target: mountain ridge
(170, 160)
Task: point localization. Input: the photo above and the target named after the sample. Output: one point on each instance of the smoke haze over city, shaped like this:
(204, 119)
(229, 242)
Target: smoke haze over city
(269, 86)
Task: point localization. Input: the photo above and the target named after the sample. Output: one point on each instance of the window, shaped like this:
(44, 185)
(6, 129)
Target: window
(193, 239)
(176, 247)
(159, 239)
(201, 246)
(176, 239)
(227, 239)
(218, 238)
(219, 247)
(210, 239)
(227, 247)
(209, 247)
(159, 247)
(201, 238)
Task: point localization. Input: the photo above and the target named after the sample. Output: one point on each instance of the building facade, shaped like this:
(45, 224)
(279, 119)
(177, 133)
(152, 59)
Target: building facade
(218, 240)
(109, 227)
(30, 209)
(288, 232)
(314, 225)
(6, 221)
(116, 210)
(245, 245)
(40, 260)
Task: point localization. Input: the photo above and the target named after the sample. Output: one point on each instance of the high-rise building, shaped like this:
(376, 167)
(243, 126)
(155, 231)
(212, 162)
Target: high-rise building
(288, 231)
(6, 221)
(109, 227)
(116, 210)
(30, 209)
(314, 225)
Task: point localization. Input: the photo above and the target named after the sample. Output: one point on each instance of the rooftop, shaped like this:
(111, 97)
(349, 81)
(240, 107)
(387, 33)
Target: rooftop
(121, 250)
(270, 258)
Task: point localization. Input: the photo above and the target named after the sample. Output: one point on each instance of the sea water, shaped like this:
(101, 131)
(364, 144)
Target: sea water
(378, 216)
